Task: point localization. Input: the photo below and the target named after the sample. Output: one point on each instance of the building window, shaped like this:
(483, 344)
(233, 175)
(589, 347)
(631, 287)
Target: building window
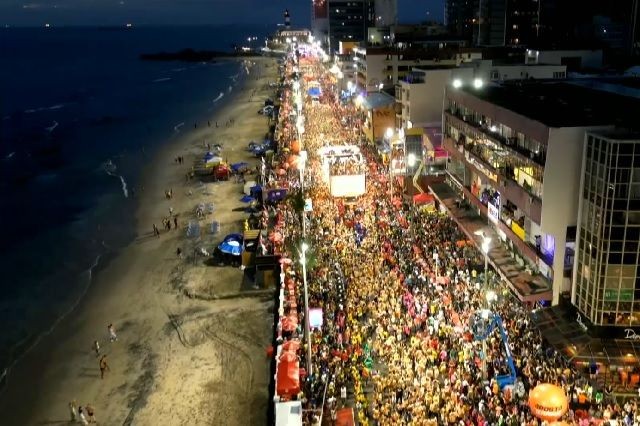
(495, 75)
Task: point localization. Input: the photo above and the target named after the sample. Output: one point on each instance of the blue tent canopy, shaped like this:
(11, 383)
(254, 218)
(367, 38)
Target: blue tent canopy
(237, 166)
(247, 199)
(232, 244)
(314, 91)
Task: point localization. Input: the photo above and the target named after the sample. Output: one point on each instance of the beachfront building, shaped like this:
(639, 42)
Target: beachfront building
(379, 108)
(575, 60)
(515, 160)
(606, 280)
(420, 93)
(381, 67)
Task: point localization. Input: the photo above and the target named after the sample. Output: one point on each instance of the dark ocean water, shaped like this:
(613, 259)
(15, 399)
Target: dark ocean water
(79, 115)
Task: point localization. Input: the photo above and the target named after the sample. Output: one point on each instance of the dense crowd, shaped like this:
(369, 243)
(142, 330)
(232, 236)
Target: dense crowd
(396, 343)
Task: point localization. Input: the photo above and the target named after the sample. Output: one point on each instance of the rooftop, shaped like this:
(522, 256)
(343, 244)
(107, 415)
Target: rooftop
(563, 104)
(375, 100)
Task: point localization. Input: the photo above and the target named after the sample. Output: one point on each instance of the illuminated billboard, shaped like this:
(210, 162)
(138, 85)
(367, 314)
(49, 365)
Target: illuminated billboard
(347, 185)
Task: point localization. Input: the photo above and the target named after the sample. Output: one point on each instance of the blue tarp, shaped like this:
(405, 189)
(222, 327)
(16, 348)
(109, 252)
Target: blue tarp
(237, 166)
(314, 91)
(232, 244)
(247, 199)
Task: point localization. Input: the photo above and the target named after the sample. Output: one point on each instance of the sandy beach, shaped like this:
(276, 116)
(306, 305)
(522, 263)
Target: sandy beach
(191, 341)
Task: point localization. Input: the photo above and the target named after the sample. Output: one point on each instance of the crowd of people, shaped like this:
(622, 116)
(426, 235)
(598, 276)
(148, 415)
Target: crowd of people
(396, 342)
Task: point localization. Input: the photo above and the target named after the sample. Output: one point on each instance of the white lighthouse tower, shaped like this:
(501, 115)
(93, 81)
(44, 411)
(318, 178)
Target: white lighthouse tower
(287, 19)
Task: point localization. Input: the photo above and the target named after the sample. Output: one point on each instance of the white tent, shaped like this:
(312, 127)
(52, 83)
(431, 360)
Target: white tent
(248, 186)
(289, 413)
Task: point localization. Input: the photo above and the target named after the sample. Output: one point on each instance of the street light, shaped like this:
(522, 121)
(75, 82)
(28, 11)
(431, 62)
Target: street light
(477, 83)
(457, 83)
(486, 241)
(388, 133)
(380, 86)
(307, 329)
(411, 159)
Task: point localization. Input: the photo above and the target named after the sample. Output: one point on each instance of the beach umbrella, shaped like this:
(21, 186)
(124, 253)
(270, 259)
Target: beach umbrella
(232, 244)
(247, 199)
(236, 167)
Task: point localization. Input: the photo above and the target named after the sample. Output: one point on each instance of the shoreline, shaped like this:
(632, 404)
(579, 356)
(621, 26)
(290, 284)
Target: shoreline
(21, 348)
(130, 291)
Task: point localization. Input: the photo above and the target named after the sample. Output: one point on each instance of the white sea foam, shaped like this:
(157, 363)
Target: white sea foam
(52, 127)
(159, 80)
(49, 108)
(125, 190)
(177, 127)
(178, 69)
(230, 89)
(11, 154)
(110, 169)
(220, 96)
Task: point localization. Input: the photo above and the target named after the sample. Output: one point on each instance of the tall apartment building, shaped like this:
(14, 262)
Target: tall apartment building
(350, 19)
(560, 24)
(606, 279)
(516, 157)
(320, 21)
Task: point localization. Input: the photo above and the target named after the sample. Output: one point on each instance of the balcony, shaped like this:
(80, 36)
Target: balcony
(525, 248)
(530, 205)
(509, 143)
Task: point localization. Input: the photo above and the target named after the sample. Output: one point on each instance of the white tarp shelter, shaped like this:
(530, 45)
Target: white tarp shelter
(289, 413)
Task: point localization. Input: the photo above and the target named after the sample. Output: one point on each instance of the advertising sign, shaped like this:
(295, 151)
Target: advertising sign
(347, 185)
(315, 318)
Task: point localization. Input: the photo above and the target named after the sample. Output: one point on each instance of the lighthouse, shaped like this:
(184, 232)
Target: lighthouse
(287, 19)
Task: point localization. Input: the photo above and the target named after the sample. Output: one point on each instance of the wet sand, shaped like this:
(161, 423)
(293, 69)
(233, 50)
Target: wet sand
(191, 343)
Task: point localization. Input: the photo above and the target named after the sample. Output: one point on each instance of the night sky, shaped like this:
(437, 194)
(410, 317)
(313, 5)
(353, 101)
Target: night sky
(181, 12)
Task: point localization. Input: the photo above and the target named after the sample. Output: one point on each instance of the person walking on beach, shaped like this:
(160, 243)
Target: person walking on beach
(112, 333)
(103, 366)
(96, 347)
(73, 410)
(170, 211)
(156, 231)
(179, 253)
(90, 413)
(175, 221)
(83, 417)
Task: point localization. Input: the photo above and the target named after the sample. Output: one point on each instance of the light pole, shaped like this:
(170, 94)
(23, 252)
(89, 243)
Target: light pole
(301, 166)
(486, 241)
(307, 325)
(389, 134)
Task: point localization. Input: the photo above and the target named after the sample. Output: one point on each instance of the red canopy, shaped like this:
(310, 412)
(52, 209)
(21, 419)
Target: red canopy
(288, 377)
(291, 345)
(423, 198)
(289, 323)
